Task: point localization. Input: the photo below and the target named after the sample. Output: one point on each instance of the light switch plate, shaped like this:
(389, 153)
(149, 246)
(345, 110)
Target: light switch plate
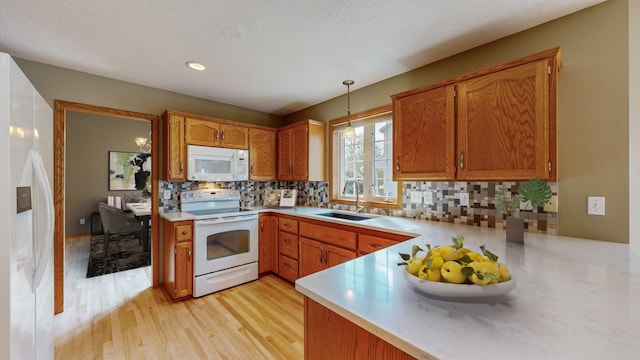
(427, 196)
(416, 197)
(595, 205)
(167, 194)
(464, 199)
(552, 206)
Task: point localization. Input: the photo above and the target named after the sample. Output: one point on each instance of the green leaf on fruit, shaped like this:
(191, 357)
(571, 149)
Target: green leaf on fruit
(415, 249)
(465, 259)
(467, 271)
(405, 257)
(429, 263)
(491, 275)
(458, 242)
(493, 257)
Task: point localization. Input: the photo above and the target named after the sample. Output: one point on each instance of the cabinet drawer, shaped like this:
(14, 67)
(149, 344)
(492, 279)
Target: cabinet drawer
(288, 225)
(338, 237)
(184, 233)
(288, 244)
(288, 268)
(369, 243)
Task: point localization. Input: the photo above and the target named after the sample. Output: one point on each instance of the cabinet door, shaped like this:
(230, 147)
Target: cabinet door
(335, 255)
(234, 136)
(202, 132)
(284, 154)
(184, 269)
(503, 124)
(312, 254)
(300, 153)
(175, 163)
(268, 237)
(424, 135)
(262, 154)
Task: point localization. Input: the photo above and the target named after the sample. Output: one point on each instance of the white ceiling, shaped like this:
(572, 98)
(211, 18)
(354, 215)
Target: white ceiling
(276, 56)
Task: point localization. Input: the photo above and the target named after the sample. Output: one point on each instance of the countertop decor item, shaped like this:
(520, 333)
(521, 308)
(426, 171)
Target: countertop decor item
(442, 289)
(534, 193)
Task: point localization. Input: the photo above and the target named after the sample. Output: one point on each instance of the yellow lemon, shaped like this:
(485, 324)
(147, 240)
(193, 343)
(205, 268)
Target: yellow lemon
(492, 267)
(449, 253)
(422, 272)
(436, 261)
(474, 256)
(504, 273)
(414, 265)
(451, 272)
(478, 277)
(434, 275)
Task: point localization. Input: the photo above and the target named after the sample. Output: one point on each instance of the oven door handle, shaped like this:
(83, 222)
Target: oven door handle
(225, 220)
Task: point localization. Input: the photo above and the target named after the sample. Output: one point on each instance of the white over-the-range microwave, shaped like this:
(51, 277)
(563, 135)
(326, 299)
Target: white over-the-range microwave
(207, 163)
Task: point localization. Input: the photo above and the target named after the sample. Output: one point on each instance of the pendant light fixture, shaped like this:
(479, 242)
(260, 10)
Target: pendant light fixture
(349, 131)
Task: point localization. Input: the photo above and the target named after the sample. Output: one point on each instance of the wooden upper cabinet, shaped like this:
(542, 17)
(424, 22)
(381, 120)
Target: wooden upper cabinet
(210, 133)
(503, 124)
(174, 148)
(202, 132)
(424, 135)
(234, 136)
(494, 124)
(301, 151)
(262, 154)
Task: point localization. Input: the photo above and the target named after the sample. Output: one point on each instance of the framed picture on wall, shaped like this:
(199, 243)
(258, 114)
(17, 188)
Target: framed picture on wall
(129, 170)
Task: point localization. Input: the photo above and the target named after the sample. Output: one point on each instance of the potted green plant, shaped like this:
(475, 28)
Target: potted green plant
(535, 193)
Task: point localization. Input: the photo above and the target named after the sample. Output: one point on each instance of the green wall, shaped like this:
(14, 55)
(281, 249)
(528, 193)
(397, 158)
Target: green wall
(593, 110)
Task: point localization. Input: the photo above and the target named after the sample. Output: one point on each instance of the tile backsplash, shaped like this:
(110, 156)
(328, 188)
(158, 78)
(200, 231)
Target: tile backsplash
(445, 205)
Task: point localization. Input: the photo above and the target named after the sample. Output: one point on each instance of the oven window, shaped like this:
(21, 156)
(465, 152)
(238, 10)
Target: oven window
(227, 243)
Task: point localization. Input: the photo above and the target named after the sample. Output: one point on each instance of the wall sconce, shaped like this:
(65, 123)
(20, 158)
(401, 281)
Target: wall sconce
(144, 143)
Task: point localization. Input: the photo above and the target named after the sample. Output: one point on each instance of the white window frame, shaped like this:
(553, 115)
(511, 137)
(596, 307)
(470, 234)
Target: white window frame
(368, 196)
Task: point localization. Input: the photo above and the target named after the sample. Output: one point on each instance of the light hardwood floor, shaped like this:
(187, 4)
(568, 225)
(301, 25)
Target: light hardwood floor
(119, 316)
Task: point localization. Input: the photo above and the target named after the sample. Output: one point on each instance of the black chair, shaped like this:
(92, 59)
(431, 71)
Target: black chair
(116, 224)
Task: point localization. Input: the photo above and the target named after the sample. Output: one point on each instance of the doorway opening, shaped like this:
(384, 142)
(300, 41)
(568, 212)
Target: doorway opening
(62, 108)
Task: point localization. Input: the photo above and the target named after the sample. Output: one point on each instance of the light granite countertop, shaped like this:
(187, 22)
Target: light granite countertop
(574, 298)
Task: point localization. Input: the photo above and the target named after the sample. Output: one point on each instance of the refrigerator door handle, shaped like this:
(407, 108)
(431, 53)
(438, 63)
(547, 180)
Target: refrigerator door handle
(45, 242)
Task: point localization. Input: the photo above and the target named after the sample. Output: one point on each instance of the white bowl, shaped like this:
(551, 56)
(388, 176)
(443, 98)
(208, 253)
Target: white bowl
(458, 290)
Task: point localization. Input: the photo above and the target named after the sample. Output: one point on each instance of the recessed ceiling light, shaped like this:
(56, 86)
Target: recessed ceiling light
(194, 65)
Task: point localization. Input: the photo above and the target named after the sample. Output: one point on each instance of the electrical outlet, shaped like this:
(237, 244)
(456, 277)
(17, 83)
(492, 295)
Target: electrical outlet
(82, 221)
(464, 199)
(595, 205)
(552, 206)
(416, 197)
(427, 197)
(167, 194)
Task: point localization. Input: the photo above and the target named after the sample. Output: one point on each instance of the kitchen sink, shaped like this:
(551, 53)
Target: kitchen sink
(340, 215)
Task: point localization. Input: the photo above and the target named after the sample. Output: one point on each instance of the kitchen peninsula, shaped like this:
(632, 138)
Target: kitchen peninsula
(574, 299)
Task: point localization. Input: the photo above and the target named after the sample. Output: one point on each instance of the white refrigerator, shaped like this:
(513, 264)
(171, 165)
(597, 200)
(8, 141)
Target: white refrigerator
(26, 218)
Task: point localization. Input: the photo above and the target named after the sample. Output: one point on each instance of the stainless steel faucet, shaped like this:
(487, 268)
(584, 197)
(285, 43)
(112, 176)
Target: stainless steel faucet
(357, 191)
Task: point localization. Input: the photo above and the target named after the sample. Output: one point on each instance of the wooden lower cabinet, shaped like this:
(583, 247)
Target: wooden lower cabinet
(178, 258)
(268, 238)
(288, 268)
(316, 256)
(328, 335)
(288, 248)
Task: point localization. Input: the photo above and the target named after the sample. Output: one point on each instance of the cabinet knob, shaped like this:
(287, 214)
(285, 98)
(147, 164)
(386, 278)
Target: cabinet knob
(184, 232)
(189, 254)
(251, 169)
(398, 164)
(461, 161)
(216, 135)
(261, 226)
(222, 136)
(287, 225)
(288, 241)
